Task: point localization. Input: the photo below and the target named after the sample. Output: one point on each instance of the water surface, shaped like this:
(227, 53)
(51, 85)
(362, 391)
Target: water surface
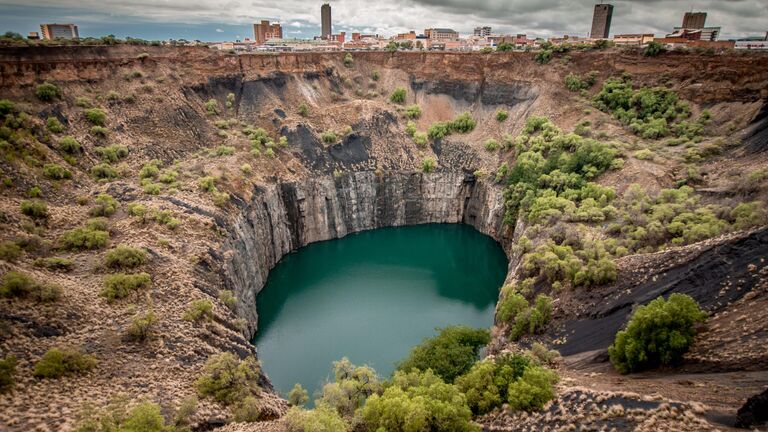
(372, 296)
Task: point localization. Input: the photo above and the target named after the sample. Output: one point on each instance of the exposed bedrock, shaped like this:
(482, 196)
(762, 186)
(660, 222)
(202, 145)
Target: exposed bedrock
(283, 217)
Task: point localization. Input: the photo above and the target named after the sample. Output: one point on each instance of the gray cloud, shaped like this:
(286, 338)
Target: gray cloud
(536, 18)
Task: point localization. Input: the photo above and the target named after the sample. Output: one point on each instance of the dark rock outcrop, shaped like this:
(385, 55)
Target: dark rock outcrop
(754, 413)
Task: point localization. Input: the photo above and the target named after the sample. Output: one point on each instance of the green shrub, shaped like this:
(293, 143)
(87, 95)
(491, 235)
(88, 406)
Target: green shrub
(420, 139)
(165, 217)
(69, 145)
(141, 327)
(83, 102)
(657, 334)
(57, 362)
(748, 214)
(485, 384)
(449, 354)
(376, 75)
(320, 419)
(56, 172)
(145, 416)
(303, 110)
(84, 239)
(99, 131)
(543, 57)
(54, 125)
(247, 410)
(21, 285)
(103, 171)
(491, 144)
(199, 310)
(410, 128)
(7, 370)
(47, 92)
(428, 164)
(644, 154)
(150, 169)
(502, 115)
(228, 379)
(212, 106)
(125, 257)
(228, 298)
(112, 153)
(348, 60)
(298, 396)
(6, 107)
(34, 192)
(55, 263)
(464, 123)
(138, 210)
(34, 208)
(438, 130)
(105, 206)
(120, 285)
(532, 390)
(350, 387)
(514, 310)
(151, 188)
(9, 251)
(413, 111)
(398, 96)
(329, 137)
(223, 150)
(418, 401)
(653, 49)
(96, 116)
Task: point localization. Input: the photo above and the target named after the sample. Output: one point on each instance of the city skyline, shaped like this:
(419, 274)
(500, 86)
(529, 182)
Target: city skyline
(737, 18)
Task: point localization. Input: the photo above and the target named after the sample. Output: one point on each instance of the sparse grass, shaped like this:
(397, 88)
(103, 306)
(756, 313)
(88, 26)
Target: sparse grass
(57, 362)
(223, 150)
(125, 257)
(121, 285)
(55, 263)
(199, 310)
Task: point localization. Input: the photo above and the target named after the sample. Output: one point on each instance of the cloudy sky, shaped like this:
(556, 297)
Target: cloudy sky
(213, 20)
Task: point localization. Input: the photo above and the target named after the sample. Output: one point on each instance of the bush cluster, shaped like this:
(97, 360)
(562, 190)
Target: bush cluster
(125, 257)
(47, 92)
(106, 205)
(69, 145)
(103, 171)
(120, 285)
(523, 318)
(413, 112)
(141, 327)
(35, 209)
(20, 285)
(463, 123)
(398, 96)
(449, 354)
(56, 172)
(7, 370)
(84, 238)
(55, 263)
(112, 153)
(576, 83)
(199, 310)
(57, 362)
(228, 379)
(658, 333)
(96, 116)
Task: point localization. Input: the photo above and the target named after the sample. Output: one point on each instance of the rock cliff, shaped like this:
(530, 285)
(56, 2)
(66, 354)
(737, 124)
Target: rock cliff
(283, 217)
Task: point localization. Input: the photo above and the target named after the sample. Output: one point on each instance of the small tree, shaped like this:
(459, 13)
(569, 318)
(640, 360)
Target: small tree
(658, 333)
(298, 396)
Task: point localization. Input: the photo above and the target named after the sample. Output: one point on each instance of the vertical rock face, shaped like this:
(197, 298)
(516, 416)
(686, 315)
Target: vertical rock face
(286, 216)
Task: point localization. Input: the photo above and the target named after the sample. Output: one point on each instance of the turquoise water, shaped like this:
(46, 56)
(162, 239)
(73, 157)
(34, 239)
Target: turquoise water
(372, 296)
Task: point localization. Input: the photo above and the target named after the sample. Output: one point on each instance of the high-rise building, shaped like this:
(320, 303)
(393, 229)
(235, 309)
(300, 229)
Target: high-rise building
(325, 17)
(59, 31)
(601, 21)
(482, 31)
(264, 31)
(694, 20)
